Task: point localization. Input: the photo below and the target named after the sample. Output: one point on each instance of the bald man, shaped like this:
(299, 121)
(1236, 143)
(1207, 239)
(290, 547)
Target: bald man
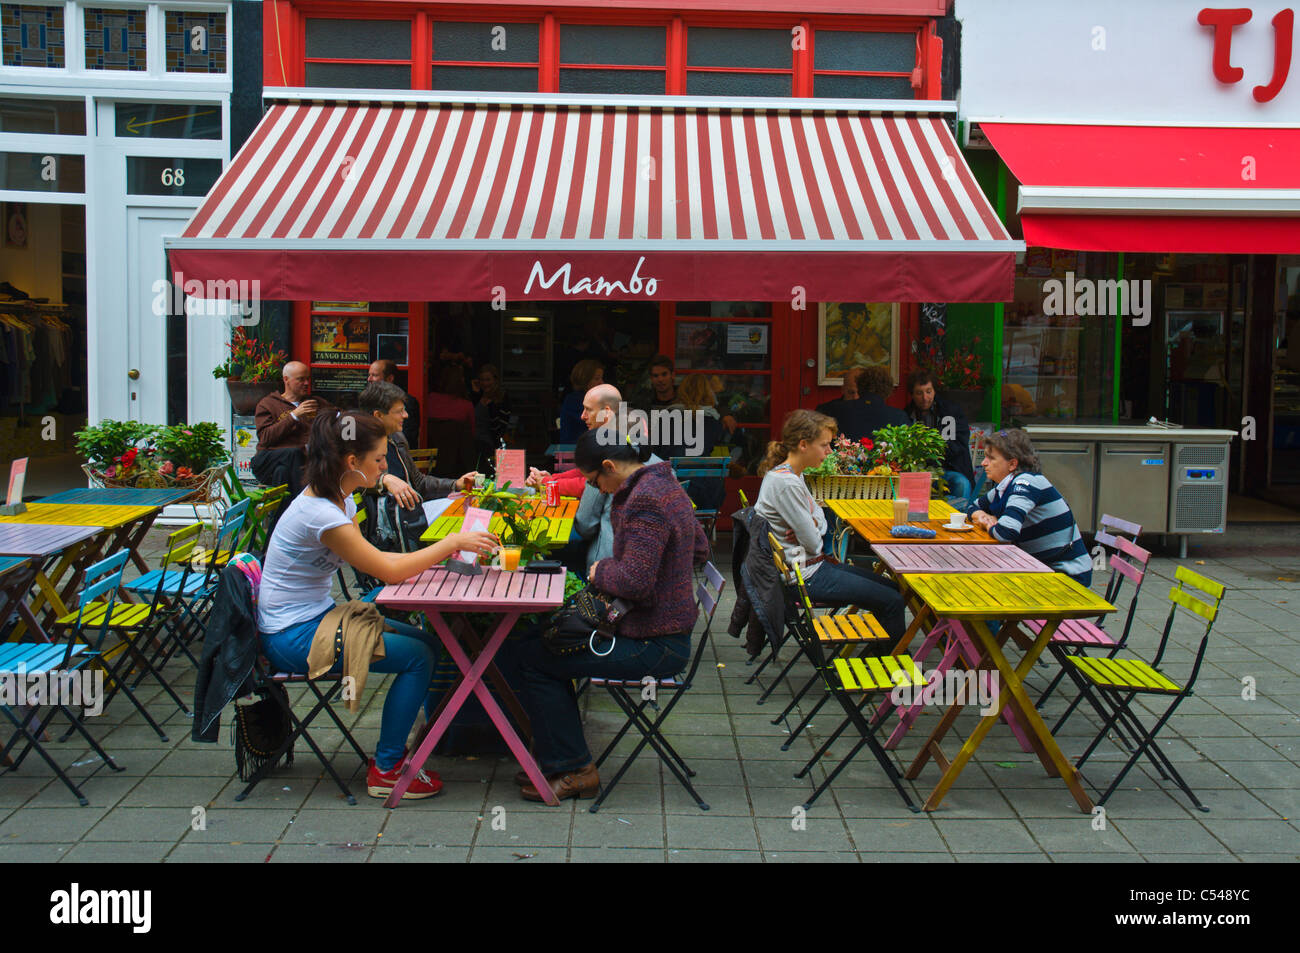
(284, 420)
(598, 404)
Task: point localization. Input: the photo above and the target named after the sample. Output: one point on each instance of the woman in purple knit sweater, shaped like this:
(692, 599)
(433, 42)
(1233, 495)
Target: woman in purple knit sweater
(657, 544)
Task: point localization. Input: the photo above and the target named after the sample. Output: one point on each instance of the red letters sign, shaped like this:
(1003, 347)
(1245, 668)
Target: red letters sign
(1224, 20)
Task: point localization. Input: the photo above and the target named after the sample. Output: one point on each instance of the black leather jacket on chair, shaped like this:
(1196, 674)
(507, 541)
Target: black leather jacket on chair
(230, 647)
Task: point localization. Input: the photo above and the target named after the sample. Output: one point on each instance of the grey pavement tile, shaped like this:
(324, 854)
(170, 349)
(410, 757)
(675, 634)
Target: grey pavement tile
(168, 824)
(729, 799)
(1285, 802)
(615, 855)
(908, 858)
(890, 836)
(137, 762)
(16, 789)
(409, 854)
(1245, 749)
(31, 853)
(711, 833)
(982, 858)
(1248, 837)
(1058, 835)
(252, 826)
(609, 828)
(1274, 773)
(525, 828)
(109, 852)
(1191, 859)
(103, 789)
(782, 802)
(967, 836)
(1110, 857)
(803, 834)
(872, 802)
(194, 853)
(321, 854)
(1270, 858)
(41, 825)
(810, 857)
(639, 798)
(424, 828)
(1151, 837)
(519, 855)
(336, 827)
(687, 856)
(280, 793)
(1234, 803)
(165, 791)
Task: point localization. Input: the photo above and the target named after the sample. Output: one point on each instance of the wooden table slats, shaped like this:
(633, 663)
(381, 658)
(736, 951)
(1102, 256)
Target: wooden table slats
(882, 509)
(903, 557)
(490, 589)
(551, 523)
(1002, 595)
(119, 496)
(78, 514)
(36, 539)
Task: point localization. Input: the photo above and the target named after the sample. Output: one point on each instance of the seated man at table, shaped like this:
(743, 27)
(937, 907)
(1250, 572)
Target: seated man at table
(1024, 508)
(283, 425)
(933, 411)
(404, 482)
(316, 536)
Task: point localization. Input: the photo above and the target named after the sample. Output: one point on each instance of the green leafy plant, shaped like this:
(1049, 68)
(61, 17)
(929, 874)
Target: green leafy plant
(847, 457)
(193, 446)
(513, 509)
(911, 448)
(104, 444)
(250, 360)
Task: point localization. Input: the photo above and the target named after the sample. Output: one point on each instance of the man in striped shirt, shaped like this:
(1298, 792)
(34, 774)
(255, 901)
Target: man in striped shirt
(1025, 509)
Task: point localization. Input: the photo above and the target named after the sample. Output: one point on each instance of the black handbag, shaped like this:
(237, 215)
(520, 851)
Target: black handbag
(260, 730)
(587, 620)
(398, 529)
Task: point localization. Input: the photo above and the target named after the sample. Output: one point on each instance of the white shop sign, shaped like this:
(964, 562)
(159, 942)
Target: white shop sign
(1120, 61)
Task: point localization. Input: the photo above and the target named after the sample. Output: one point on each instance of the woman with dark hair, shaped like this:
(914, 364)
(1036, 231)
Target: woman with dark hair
(657, 544)
(798, 522)
(1024, 508)
(315, 537)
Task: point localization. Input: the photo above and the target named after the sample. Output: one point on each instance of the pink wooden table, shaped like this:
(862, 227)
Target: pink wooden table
(900, 558)
(438, 593)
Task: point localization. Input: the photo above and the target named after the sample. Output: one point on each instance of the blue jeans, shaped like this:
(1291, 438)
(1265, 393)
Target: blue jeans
(958, 485)
(848, 585)
(551, 704)
(409, 652)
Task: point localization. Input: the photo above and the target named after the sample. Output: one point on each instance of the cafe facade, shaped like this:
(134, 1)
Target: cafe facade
(767, 195)
(1146, 155)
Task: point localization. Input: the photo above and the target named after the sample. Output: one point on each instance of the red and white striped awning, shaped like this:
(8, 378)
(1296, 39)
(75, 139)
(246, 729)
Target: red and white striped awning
(670, 198)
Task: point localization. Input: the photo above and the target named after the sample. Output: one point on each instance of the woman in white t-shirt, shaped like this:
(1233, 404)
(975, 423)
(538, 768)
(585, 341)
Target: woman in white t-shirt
(317, 535)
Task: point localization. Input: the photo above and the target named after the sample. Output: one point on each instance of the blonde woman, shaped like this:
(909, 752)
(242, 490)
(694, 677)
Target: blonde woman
(798, 522)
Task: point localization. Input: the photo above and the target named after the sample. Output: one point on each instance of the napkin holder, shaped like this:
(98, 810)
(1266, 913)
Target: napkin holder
(463, 568)
(13, 509)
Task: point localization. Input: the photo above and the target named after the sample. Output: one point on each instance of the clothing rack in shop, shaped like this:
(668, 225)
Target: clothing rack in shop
(16, 312)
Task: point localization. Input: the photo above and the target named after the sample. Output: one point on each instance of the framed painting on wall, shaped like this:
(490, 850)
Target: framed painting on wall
(855, 334)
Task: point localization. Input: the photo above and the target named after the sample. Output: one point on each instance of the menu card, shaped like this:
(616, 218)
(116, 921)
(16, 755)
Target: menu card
(17, 476)
(476, 521)
(915, 488)
(511, 468)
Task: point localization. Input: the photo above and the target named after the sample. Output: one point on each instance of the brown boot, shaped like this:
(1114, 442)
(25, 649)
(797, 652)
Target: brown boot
(583, 783)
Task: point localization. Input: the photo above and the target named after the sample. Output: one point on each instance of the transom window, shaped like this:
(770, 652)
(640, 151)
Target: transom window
(358, 54)
(495, 57)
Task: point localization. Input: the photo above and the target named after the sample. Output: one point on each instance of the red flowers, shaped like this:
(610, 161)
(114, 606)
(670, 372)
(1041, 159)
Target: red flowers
(184, 473)
(866, 442)
(128, 459)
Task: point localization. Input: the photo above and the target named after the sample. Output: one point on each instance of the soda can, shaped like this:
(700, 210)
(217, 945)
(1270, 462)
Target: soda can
(552, 494)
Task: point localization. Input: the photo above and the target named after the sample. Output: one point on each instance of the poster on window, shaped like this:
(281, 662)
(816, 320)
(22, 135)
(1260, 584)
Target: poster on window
(747, 339)
(855, 334)
(340, 339)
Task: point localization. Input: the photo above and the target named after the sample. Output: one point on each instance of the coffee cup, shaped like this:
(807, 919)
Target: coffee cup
(957, 521)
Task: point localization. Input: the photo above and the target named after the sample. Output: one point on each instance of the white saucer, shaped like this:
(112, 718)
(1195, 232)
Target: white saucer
(964, 528)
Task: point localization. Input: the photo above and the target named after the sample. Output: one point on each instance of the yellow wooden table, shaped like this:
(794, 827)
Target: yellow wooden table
(124, 527)
(549, 524)
(969, 602)
(873, 520)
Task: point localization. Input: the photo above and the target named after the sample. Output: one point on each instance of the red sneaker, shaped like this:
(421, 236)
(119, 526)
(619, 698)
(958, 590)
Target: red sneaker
(381, 783)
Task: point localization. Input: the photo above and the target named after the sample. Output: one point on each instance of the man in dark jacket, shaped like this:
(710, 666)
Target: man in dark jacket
(932, 411)
(865, 411)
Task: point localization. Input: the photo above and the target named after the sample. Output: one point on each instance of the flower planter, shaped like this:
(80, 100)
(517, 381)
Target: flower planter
(244, 395)
(206, 486)
(855, 486)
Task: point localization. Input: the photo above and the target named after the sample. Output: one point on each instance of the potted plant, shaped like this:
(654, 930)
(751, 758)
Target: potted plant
(850, 471)
(251, 371)
(513, 509)
(127, 453)
(960, 375)
(911, 449)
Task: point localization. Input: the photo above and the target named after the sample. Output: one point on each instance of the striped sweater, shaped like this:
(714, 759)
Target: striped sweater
(1032, 514)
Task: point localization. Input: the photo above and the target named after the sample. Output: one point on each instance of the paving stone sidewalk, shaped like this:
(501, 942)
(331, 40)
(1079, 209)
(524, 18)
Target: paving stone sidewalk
(1240, 755)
